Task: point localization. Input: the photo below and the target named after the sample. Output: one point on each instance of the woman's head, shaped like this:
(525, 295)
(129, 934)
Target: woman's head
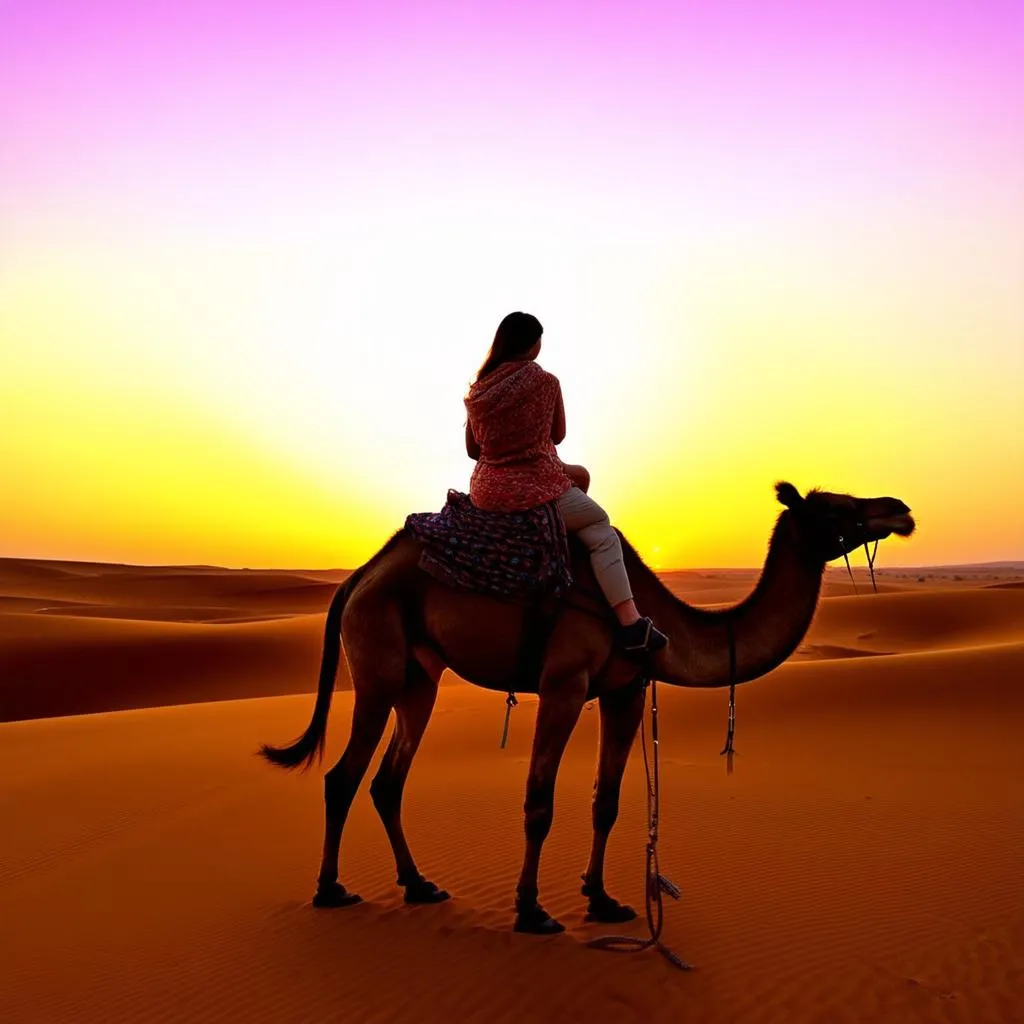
(517, 337)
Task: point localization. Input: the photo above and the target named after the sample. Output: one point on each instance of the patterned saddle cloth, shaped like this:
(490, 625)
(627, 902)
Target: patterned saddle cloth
(504, 554)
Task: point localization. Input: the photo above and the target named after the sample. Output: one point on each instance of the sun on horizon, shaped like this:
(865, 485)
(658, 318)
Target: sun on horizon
(252, 263)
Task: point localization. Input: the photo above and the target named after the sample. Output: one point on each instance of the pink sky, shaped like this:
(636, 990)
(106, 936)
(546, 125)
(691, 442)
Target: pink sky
(118, 103)
(796, 228)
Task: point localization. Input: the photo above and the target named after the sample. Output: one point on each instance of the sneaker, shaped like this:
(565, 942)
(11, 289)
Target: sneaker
(642, 637)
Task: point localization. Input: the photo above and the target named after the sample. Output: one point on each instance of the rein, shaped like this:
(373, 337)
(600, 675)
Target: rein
(656, 884)
(871, 565)
(728, 749)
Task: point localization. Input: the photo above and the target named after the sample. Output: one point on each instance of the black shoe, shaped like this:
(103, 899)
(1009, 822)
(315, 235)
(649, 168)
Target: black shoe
(642, 637)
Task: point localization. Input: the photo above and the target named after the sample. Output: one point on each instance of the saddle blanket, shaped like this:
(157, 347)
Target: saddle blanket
(503, 554)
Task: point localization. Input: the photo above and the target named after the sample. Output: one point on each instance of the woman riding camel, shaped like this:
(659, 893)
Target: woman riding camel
(516, 417)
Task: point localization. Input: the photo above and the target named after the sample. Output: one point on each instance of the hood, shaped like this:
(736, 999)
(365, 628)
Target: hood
(502, 388)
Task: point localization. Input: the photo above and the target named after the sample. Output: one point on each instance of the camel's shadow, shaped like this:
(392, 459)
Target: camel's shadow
(455, 959)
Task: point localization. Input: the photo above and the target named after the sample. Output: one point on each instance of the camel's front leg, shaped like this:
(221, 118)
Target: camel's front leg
(557, 714)
(621, 712)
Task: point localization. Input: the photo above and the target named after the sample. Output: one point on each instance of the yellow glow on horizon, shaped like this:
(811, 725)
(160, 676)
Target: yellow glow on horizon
(288, 404)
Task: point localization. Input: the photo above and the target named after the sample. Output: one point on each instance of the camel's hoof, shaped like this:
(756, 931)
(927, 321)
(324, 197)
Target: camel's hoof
(335, 895)
(609, 911)
(424, 891)
(535, 920)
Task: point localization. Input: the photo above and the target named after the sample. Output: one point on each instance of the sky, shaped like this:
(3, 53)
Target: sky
(251, 255)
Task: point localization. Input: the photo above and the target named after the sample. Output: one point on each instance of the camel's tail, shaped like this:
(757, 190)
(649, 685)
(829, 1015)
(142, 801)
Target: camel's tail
(310, 745)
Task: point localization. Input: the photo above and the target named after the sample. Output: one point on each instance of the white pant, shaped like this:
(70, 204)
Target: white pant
(585, 518)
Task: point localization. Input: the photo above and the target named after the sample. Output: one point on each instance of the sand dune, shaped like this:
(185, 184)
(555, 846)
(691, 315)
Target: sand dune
(142, 587)
(56, 664)
(78, 638)
(922, 620)
(862, 863)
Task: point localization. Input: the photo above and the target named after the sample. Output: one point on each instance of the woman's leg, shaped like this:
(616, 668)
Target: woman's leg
(584, 517)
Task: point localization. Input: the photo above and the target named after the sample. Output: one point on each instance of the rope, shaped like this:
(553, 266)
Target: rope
(510, 703)
(728, 749)
(871, 566)
(871, 563)
(655, 883)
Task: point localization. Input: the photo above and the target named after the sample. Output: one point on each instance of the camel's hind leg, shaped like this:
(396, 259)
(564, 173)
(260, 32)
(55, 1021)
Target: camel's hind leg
(369, 719)
(412, 709)
(377, 651)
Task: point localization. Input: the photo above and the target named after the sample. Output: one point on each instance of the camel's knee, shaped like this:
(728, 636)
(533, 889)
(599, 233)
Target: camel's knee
(606, 811)
(538, 824)
(386, 792)
(539, 810)
(339, 788)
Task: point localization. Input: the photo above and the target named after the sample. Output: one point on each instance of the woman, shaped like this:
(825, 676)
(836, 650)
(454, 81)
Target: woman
(516, 418)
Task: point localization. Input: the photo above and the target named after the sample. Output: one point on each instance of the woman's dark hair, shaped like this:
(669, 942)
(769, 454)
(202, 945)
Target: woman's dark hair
(515, 336)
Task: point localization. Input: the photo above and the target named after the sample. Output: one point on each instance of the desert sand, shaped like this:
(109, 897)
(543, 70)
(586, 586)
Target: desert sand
(864, 861)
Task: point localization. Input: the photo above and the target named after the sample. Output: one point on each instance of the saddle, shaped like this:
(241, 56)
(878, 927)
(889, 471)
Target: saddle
(513, 555)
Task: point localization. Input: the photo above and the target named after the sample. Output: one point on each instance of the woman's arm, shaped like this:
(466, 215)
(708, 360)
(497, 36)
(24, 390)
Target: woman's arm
(579, 475)
(472, 448)
(558, 421)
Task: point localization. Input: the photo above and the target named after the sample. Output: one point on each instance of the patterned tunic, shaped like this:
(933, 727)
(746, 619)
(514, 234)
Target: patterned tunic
(511, 413)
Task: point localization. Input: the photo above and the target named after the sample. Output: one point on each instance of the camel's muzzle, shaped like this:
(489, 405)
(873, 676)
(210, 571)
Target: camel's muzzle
(902, 525)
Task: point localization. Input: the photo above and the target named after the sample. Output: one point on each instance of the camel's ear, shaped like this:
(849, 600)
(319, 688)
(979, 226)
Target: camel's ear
(788, 494)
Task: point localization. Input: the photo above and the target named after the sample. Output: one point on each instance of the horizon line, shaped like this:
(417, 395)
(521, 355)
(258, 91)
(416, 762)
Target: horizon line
(1017, 563)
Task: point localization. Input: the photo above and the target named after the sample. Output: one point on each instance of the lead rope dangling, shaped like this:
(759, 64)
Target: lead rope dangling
(728, 749)
(849, 568)
(510, 703)
(871, 565)
(655, 883)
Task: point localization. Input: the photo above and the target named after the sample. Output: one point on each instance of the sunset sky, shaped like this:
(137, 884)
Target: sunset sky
(252, 254)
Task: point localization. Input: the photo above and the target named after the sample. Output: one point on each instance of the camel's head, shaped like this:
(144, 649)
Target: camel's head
(835, 524)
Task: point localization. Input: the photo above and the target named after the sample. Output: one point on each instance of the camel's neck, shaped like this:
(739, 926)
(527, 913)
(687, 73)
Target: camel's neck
(767, 626)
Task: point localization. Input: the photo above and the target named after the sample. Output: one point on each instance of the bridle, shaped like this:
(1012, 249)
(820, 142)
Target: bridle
(870, 553)
(871, 562)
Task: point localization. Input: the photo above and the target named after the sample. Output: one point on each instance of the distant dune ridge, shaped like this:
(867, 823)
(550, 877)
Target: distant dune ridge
(863, 863)
(83, 637)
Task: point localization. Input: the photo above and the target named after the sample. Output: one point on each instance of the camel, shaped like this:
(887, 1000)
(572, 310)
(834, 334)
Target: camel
(401, 628)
